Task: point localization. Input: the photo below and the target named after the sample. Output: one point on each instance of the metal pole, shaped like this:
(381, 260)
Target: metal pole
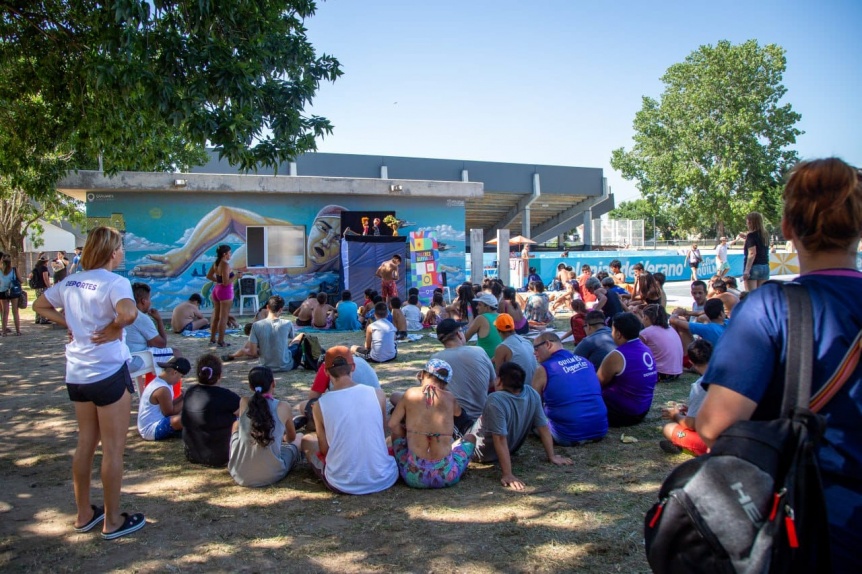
(653, 233)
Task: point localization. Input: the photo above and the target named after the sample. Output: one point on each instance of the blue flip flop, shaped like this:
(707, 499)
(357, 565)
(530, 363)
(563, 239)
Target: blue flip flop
(132, 523)
(98, 516)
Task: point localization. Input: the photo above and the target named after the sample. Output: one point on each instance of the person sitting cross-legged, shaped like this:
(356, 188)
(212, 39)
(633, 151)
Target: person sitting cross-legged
(379, 338)
(711, 330)
(514, 347)
(348, 452)
(159, 414)
(347, 314)
(510, 414)
(680, 433)
(264, 446)
(571, 393)
(363, 374)
(187, 315)
(271, 338)
(413, 313)
(421, 426)
(598, 342)
(147, 333)
(628, 374)
(487, 336)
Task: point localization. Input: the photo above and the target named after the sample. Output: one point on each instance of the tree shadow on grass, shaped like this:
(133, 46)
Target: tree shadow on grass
(587, 516)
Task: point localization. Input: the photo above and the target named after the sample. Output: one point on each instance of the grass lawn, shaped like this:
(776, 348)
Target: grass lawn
(588, 516)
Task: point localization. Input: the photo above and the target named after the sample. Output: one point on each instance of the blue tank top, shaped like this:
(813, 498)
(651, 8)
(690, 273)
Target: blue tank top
(612, 305)
(573, 398)
(631, 391)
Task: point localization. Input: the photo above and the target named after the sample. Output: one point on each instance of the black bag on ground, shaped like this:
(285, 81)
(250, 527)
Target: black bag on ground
(755, 502)
(311, 352)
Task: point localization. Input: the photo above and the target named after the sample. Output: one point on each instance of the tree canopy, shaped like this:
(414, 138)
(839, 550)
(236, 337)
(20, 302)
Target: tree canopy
(716, 144)
(145, 85)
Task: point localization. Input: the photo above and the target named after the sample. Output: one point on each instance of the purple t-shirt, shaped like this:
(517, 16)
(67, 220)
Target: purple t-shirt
(631, 391)
(573, 398)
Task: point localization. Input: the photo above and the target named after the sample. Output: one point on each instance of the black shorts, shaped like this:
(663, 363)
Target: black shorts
(105, 392)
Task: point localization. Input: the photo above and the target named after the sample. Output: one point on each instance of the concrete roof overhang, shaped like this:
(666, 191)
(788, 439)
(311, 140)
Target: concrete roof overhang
(495, 195)
(80, 184)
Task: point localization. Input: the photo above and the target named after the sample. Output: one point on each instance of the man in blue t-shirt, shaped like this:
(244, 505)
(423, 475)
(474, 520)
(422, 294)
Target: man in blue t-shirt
(712, 331)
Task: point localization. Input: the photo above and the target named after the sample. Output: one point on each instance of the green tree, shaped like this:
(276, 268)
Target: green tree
(145, 85)
(715, 146)
(21, 216)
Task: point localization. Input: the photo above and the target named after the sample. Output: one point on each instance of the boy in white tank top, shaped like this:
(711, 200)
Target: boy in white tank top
(348, 451)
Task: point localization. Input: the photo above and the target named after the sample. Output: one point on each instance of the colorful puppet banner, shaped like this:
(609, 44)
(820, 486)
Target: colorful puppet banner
(424, 267)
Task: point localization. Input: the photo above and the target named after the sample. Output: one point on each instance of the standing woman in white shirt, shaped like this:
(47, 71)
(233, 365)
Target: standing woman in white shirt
(98, 304)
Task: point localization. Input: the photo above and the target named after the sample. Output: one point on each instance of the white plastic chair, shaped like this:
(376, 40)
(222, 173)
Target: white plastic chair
(148, 367)
(248, 290)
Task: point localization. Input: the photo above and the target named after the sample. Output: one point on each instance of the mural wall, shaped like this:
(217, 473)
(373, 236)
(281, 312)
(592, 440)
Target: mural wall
(170, 239)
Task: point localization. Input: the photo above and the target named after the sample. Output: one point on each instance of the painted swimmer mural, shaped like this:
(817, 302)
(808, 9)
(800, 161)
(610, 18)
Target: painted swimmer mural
(322, 248)
(170, 240)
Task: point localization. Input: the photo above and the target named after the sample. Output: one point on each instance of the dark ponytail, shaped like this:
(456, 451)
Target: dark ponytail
(208, 369)
(260, 380)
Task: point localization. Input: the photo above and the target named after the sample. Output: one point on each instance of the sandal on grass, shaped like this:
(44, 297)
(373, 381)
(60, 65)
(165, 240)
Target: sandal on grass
(132, 523)
(98, 516)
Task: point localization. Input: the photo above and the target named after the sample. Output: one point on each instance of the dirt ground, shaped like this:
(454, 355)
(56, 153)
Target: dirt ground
(588, 516)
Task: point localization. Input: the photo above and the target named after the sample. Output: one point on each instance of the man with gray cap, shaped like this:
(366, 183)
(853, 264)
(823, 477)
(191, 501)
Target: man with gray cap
(483, 324)
(473, 375)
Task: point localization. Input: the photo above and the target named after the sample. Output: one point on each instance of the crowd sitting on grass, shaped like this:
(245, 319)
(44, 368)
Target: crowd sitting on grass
(469, 402)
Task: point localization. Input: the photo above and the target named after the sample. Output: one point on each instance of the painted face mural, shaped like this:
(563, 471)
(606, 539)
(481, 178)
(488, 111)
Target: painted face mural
(325, 235)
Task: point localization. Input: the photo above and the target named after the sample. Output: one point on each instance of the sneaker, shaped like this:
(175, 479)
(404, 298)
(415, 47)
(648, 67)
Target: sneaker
(227, 358)
(669, 447)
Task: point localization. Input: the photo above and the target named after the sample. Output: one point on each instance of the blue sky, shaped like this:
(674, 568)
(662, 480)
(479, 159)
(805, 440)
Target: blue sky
(559, 82)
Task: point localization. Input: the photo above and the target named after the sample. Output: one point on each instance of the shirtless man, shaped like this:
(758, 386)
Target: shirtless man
(421, 426)
(719, 291)
(560, 279)
(306, 311)
(321, 316)
(388, 273)
(187, 316)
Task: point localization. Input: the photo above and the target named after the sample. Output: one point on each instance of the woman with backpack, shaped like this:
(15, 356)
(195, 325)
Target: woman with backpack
(823, 218)
(8, 275)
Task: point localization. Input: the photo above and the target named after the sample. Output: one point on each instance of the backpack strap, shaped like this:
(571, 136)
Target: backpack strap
(799, 363)
(839, 377)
